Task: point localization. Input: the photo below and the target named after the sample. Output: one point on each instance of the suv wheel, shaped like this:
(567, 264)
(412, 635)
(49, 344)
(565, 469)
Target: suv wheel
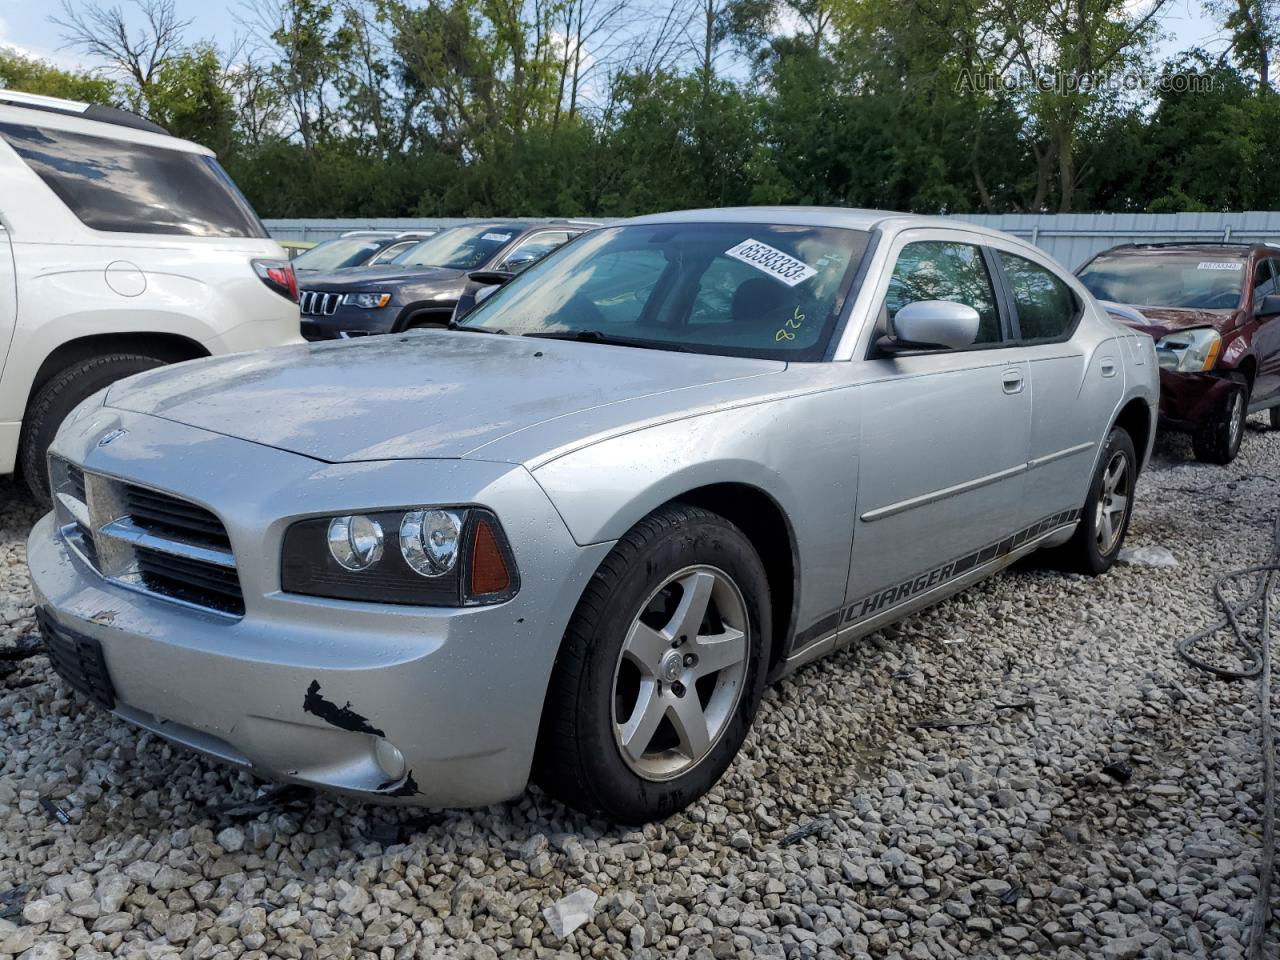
(660, 671)
(1275, 418)
(1104, 521)
(1218, 441)
(57, 398)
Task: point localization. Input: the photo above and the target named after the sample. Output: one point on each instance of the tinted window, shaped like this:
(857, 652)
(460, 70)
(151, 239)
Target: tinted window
(462, 248)
(942, 270)
(1205, 280)
(1264, 280)
(539, 245)
(1045, 305)
(133, 187)
(753, 289)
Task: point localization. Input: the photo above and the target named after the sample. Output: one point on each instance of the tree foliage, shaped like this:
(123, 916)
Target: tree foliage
(617, 107)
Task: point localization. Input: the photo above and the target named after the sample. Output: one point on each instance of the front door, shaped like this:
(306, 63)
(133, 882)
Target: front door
(1266, 339)
(944, 442)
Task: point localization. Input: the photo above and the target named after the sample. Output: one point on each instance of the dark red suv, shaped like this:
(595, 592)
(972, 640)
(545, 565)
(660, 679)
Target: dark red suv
(1214, 312)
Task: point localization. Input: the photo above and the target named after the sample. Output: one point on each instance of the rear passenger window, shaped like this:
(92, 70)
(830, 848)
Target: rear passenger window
(135, 187)
(1045, 305)
(941, 270)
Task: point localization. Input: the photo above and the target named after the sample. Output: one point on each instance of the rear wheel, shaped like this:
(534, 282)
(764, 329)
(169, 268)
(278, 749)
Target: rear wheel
(1218, 441)
(58, 397)
(660, 671)
(1104, 521)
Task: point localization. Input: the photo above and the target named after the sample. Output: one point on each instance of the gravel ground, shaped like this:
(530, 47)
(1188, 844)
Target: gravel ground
(845, 828)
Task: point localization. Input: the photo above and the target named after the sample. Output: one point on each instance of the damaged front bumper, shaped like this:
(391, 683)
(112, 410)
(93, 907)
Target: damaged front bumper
(419, 705)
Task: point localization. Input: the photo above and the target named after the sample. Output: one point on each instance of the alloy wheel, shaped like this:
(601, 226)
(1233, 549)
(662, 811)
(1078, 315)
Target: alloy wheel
(1113, 503)
(681, 672)
(1237, 418)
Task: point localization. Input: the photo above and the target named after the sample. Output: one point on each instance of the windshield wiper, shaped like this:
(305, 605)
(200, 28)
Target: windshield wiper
(466, 328)
(597, 336)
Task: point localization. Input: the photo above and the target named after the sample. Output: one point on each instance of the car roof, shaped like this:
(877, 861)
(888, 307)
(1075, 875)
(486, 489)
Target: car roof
(850, 218)
(1220, 247)
(90, 119)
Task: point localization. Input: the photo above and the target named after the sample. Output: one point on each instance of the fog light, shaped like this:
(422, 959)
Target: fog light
(389, 758)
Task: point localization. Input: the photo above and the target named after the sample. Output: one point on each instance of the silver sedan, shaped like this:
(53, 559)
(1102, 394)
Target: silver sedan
(573, 538)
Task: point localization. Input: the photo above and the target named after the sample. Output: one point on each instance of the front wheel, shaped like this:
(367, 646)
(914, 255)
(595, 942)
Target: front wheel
(661, 670)
(1275, 418)
(1104, 521)
(1218, 441)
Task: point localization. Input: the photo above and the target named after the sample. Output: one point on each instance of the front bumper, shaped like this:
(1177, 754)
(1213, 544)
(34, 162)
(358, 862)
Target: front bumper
(1189, 400)
(350, 322)
(304, 689)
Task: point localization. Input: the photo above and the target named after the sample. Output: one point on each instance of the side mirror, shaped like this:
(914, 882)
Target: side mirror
(1269, 307)
(518, 261)
(494, 278)
(933, 324)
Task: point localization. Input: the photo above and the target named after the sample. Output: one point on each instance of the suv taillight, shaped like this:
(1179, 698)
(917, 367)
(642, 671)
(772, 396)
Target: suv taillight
(279, 276)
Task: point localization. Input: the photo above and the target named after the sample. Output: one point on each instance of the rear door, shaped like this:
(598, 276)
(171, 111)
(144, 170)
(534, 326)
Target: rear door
(942, 462)
(8, 292)
(1074, 385)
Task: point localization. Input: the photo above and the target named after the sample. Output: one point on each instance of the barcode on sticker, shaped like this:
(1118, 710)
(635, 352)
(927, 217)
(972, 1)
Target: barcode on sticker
(1218, 265)
(775, 263)
(497, 237)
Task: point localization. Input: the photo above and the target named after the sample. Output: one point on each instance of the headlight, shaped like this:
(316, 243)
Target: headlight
(1189, 350)
(430, 556)
(367, 301)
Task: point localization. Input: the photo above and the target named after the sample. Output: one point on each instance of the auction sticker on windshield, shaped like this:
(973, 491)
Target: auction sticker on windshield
(497, 237)
(774, 262)
(1218, 265)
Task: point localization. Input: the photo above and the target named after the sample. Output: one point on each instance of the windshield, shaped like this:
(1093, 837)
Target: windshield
(336, 254)
(1165, 278)
(462, 248)
(744, 289)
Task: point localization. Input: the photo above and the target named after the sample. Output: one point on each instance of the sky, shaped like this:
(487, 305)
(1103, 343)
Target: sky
(26, 25)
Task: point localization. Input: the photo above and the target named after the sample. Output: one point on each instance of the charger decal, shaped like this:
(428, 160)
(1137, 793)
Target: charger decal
(891, 596)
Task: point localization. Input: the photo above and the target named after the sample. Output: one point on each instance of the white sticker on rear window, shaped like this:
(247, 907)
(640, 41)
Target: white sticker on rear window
(1218, 265)
(497, 237)
(775, 263)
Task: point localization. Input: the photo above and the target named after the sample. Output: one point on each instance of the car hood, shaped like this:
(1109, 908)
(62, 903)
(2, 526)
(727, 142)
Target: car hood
(431, 394)
(366, 278)
(1159, 321)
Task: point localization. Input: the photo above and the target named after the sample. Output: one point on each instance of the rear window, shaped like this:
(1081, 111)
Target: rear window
(1162, 278)
(127, 187)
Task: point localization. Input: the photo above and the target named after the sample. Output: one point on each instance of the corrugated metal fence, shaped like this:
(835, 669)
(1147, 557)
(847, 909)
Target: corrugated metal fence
(1069, 237)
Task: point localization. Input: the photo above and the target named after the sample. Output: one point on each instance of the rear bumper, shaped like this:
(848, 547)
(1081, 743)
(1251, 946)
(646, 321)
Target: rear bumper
(314, 691)
(1189, 400)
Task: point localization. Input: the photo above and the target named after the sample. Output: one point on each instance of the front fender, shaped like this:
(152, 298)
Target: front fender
(801, 452)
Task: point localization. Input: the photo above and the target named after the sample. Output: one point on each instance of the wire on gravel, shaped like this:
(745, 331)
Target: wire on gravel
(1255, 658)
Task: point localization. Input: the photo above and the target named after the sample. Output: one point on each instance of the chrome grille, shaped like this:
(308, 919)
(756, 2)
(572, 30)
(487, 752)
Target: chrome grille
(147, 540)
(317, 303)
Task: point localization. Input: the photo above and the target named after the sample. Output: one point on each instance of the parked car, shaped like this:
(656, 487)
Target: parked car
(359, 248)
(295, 248)
(1213, 311)
(422, 286)
(575, 536)
(121, 249)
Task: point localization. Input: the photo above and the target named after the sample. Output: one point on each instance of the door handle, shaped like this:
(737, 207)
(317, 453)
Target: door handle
(1012, 381)
(1108, 367)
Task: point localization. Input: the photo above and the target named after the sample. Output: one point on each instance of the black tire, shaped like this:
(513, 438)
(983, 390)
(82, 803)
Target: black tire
(579, 760)
(58, 397)
(1218, 441)
(1275, 418)
(1084, 553)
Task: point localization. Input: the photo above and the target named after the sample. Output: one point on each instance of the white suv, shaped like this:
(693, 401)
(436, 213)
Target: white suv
(121, 249)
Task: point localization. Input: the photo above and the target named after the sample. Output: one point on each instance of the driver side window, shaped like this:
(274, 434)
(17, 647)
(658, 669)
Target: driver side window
(943, 270)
